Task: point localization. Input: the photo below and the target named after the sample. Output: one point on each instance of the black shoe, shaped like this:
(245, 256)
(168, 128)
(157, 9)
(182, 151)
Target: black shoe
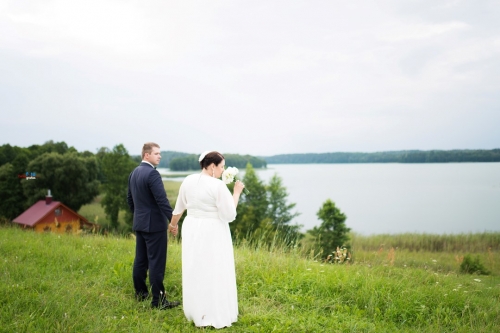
(166, 305)
(141, 296)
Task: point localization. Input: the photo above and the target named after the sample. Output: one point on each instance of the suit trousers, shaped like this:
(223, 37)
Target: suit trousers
(150, 254)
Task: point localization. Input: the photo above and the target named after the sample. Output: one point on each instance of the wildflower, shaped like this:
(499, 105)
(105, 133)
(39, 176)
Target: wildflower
(434, 260)
(308, 269)
(477, 280)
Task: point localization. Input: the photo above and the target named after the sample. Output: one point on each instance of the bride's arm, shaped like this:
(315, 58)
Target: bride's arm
(175, 219)
(238, 187)
(174, 223)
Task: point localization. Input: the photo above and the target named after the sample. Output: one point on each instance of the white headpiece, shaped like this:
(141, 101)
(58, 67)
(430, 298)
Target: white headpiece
(202, 156)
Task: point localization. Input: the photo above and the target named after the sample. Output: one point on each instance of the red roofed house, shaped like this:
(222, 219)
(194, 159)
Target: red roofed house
(47, 215)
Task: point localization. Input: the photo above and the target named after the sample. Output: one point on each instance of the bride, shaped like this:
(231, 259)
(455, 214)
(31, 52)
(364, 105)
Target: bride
(208, 273)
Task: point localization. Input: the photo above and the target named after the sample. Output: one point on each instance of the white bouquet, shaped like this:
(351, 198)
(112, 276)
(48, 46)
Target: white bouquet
(229, 176)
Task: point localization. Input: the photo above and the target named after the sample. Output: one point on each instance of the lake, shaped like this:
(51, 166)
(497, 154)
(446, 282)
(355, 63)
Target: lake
(396, 198)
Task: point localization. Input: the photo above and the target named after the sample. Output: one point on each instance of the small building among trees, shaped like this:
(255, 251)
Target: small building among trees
(52, 216)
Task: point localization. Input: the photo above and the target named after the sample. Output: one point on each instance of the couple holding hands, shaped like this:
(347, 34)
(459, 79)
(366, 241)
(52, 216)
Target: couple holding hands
(209, 295)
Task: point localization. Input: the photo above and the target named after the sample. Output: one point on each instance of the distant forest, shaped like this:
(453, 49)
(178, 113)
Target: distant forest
(190, 161)
(404, 156)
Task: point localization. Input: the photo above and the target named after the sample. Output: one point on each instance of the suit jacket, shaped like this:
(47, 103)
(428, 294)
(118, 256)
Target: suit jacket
(148, 200)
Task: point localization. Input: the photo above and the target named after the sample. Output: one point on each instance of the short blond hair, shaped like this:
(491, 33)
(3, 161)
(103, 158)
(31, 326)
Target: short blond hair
(148, 148)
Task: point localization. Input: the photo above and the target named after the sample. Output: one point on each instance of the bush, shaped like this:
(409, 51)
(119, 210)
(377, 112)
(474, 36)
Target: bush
(473, 266)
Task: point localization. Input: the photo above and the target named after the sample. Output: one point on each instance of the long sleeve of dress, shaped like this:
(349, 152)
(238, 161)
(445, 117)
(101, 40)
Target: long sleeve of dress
(225, 203)
(180, 204)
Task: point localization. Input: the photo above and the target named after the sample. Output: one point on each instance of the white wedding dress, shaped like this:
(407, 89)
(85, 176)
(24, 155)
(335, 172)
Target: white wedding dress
(208, 273)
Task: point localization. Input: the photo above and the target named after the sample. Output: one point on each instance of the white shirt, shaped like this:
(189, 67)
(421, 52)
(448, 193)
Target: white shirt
(149, 164)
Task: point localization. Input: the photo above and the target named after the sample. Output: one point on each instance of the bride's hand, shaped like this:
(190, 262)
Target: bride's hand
(173, 230)
(238, 187)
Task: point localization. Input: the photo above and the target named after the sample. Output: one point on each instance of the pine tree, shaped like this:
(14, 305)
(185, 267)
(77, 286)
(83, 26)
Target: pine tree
(332, 232)
(263, 213)
(252, 208)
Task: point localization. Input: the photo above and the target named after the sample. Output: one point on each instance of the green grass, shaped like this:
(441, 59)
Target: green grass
(66, 283)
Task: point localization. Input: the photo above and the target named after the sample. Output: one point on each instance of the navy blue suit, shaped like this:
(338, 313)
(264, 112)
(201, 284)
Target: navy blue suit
(148, 202)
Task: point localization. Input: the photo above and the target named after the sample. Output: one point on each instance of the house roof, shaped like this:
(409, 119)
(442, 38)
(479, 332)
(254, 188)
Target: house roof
(39, 210)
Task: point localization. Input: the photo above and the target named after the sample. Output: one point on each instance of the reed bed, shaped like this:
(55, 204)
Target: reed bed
(415, 242)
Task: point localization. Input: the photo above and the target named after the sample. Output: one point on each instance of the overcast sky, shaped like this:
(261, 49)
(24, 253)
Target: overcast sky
(251, 77)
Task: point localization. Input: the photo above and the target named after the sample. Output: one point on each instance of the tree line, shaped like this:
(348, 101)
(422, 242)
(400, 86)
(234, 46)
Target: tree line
(264, 215)
(404, 156)
(190, 162)
(75, 178)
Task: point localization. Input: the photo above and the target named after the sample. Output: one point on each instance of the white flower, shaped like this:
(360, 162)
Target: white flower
(477, 280)
(229, 174)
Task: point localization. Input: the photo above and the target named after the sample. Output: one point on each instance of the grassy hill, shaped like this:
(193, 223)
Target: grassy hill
(66, 283)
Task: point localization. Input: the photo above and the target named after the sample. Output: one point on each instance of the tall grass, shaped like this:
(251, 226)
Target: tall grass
(67, 283)
(478, 242)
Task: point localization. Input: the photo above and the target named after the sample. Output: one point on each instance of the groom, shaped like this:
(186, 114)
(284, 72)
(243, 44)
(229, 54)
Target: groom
(148, 202)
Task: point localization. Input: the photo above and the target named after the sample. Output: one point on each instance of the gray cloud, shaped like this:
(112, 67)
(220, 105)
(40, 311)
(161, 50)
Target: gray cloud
(263, 78)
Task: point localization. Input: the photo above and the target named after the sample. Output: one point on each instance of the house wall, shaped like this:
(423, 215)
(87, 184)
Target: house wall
(60, 220)
(71, 227)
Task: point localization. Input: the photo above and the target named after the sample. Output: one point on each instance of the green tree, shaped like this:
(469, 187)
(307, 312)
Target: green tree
(252, 208)
(280, 211)
(190, 162)
(184, 163)
(49, 147)
(332, 232)
(7, 153)
(71, 178)
(12, 199)
(263, 213)
(116, 166)
(278, 207)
